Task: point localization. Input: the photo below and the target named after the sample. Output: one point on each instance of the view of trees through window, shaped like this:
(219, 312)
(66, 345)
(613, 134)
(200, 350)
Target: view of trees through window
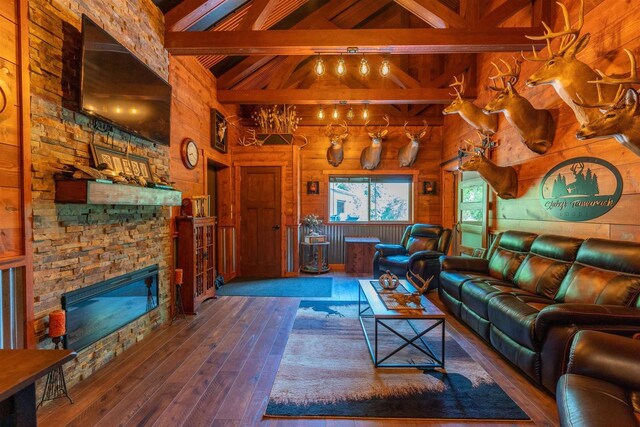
(362, 199)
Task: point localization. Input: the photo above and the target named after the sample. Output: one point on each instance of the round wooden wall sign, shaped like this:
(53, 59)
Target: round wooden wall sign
(580, 189)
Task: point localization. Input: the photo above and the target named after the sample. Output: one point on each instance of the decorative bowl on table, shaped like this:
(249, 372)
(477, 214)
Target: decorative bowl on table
(389, 281)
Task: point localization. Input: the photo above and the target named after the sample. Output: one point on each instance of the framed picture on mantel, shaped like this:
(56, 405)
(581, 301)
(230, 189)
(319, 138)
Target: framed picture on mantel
(120, 162)
(219, 132)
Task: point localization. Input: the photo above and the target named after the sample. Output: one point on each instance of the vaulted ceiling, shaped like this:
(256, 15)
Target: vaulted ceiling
(263, 51)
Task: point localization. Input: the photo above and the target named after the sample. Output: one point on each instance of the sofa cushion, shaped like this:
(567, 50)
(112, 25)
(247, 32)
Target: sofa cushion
(398, 261)
(605, 272)
(586, 401)
(507, 257)
(475, 294)
(516, 317)
(547, 264)
(451, 281)
(415, 244)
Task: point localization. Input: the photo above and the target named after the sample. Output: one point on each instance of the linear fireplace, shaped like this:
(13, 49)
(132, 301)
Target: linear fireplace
(101, 309)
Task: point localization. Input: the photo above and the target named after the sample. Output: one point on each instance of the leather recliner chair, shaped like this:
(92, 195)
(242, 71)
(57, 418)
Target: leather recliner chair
(602, 384)
(419, 252)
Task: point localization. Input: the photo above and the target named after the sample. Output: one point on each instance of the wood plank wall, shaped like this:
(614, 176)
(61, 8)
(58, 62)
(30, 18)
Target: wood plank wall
(613, 26)
(194, 95)
(313, 163)
(15, 179)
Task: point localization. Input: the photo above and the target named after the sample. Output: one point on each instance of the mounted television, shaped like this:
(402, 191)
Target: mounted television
(120, 89)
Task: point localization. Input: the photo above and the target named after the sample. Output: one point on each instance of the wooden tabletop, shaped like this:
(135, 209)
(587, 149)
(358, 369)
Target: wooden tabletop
(429, 311)
(21, 368)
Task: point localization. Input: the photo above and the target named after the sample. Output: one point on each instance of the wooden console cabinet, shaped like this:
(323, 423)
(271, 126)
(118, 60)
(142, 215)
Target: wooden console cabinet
(359, 252)
(197, 258)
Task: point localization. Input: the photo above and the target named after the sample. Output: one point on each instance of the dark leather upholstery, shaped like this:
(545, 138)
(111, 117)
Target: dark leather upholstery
(419, 252)
(534, 293)
(602, 383)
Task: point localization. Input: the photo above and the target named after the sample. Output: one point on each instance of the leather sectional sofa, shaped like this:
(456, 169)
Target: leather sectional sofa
(532, 293)
(602, 385)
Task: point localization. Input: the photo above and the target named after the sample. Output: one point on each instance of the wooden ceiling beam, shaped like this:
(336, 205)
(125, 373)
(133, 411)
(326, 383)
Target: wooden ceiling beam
(433, 13)
(387, 41)
(503, 12)
(257, 14)
(186, 14)
(334, 96)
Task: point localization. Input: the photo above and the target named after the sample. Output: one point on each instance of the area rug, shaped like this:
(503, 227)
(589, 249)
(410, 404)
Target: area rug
(295, 287)
(326, 371)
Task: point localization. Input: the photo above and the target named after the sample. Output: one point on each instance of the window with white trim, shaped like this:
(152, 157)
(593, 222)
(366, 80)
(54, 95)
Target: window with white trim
(370, 198)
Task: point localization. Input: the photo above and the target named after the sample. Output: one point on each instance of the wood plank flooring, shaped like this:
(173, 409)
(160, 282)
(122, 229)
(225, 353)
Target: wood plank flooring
(217, 368)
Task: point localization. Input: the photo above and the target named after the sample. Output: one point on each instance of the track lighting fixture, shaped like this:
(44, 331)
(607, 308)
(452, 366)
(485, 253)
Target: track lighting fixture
(364, 67)
(385, 68)
(341, 67)
(336, 114)
(321, 113)
(319, 66)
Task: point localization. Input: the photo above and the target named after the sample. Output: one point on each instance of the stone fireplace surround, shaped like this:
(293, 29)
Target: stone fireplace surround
(78, 245)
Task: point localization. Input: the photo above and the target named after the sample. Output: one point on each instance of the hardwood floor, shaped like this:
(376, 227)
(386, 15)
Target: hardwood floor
(217, 368)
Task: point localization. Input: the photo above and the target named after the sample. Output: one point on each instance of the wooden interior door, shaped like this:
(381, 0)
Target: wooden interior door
(260, 216)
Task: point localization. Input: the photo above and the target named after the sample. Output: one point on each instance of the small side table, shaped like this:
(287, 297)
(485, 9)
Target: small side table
(359, 253)
(315, 257)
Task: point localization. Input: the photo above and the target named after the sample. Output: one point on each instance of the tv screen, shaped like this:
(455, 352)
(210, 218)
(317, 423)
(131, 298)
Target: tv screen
(120, 89)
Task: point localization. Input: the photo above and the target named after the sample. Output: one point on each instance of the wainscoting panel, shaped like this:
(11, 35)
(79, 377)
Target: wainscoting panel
(387, 233)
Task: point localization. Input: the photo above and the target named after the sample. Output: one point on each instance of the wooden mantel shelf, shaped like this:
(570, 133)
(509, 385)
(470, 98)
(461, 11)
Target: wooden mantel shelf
(100, 193)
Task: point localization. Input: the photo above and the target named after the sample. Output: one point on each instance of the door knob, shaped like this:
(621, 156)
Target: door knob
(275, 227)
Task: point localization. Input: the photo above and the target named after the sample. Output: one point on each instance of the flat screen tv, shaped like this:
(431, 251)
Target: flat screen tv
(120, 89)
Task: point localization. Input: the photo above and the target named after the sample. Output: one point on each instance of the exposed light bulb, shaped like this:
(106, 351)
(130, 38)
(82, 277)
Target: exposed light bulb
(134, 110)
(319, 66)
(364, 67)
(350, 114)
(341, 68)
(365, 113)
(118, 110)
(336, 114)
(321, 113)
(385, 68)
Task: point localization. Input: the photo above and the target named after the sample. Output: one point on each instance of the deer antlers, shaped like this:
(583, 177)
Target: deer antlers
(328, 131)
(416, 133)
(568, 35)
(457, 83)
(608, 80)
(511, 76)
(380, 129)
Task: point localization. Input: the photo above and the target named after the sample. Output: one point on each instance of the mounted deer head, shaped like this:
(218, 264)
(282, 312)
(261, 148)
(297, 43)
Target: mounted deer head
(502, 179)
(335, 152)
(535, 127)
(619, 118)
(370, 156)
(408, 153)
(471, 113)
(563, 71)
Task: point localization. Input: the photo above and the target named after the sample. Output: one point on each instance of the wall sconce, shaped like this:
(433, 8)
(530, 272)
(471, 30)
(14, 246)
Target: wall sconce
(429, 187)
(341, 67)
(319, 66)
(385, 68)
(321, 113)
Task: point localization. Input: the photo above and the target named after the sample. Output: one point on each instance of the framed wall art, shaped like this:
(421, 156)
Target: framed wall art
(120, 162)
(219, 132)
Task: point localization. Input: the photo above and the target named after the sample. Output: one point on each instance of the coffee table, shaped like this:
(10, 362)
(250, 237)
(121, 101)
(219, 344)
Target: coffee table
(421, 321)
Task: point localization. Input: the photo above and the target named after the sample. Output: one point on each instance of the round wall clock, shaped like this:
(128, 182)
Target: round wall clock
(189, 153)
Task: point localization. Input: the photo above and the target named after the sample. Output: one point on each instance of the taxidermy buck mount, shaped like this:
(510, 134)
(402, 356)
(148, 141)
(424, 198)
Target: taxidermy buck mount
(408, 153)
(335, 152)
(568, 76)
(370, 156)
(471, 113)
(535, 127)
(502, 179)
(620, 117)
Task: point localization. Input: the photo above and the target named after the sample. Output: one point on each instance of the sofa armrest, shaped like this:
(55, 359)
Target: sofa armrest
(462, 263)
(586, 314)
(607, 357)
(420, 255)
(388, 250)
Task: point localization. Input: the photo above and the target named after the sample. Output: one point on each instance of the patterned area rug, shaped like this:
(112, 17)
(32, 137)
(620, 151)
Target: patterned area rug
(326, 371)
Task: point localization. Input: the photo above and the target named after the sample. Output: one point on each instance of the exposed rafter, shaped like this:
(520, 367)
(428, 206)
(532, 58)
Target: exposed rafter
(334, 96)
(258, 14)
(309, 42)
(433, 13)
(189, 12)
